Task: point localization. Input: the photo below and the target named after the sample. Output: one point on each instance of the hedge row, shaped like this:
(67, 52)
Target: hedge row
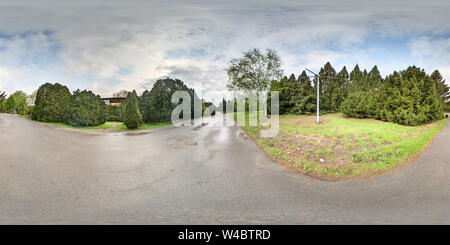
(84, 108)
(408, 98)
(54, 103)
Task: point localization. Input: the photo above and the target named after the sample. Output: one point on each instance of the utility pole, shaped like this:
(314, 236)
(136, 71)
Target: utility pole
(316, 77)
(318, 90)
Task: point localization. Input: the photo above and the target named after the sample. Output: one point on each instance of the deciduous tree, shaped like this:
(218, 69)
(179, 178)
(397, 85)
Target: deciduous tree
(254, 71)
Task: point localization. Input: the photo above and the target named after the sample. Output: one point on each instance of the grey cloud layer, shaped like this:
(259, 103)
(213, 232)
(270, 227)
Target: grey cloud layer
(194, 40)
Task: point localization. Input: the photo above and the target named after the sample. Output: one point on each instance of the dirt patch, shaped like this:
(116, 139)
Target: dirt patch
(326, 143)
(307, 147)
(319, 155)
(357, 149)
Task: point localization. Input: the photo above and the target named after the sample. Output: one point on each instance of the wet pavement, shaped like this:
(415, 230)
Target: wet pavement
(197, 175)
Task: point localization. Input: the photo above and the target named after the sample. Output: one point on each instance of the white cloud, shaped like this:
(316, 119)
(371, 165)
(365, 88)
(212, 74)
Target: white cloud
(432, 53)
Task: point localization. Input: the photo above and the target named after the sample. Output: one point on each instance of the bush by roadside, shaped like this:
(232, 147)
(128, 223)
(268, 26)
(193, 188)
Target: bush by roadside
(114, 113)
(84, 108)
(51, 100)
(132, 116)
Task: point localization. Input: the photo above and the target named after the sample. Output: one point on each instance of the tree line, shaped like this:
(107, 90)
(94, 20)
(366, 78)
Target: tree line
(55, 103)
(409, 97)
(17, 103)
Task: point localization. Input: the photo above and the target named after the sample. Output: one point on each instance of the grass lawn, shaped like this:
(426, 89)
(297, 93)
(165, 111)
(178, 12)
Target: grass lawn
(107, 126)
(343, 148)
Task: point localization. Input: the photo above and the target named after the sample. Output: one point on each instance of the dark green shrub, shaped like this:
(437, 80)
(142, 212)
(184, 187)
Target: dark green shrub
(409, 98)
(114, 113)
(132, 115)
(359, 104)
(84, 108)
(30, 110)
(305, 105)
(51, 100)
(156, 105)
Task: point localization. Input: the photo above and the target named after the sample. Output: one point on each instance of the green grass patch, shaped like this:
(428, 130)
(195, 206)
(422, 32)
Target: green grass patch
(113, 126)
(123, 127)
(106, 125)
(342, 148)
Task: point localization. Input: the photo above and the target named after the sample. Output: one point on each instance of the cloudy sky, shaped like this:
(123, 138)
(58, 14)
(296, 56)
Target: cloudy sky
(106, 46)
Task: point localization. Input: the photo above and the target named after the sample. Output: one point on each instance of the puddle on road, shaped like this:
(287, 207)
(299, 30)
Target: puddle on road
(199, 126)
(136, 134)
(242, 136)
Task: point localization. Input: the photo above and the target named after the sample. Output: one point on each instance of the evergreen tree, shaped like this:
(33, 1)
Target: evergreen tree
(288, 91)
(356, 79)
(360, 104)
(374, 79)
(341, 93)
(292, 91)
(132, 115)
(409, 98)
(431, 102)
(84, 108)
(414, 72)
(364, 81)
(363, 84)
(156, 105)
(328, 87)
(388, 94)
(305, 101)
(442, 89)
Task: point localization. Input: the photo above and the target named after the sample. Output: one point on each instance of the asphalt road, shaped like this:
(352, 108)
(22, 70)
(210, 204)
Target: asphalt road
(197, 175)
